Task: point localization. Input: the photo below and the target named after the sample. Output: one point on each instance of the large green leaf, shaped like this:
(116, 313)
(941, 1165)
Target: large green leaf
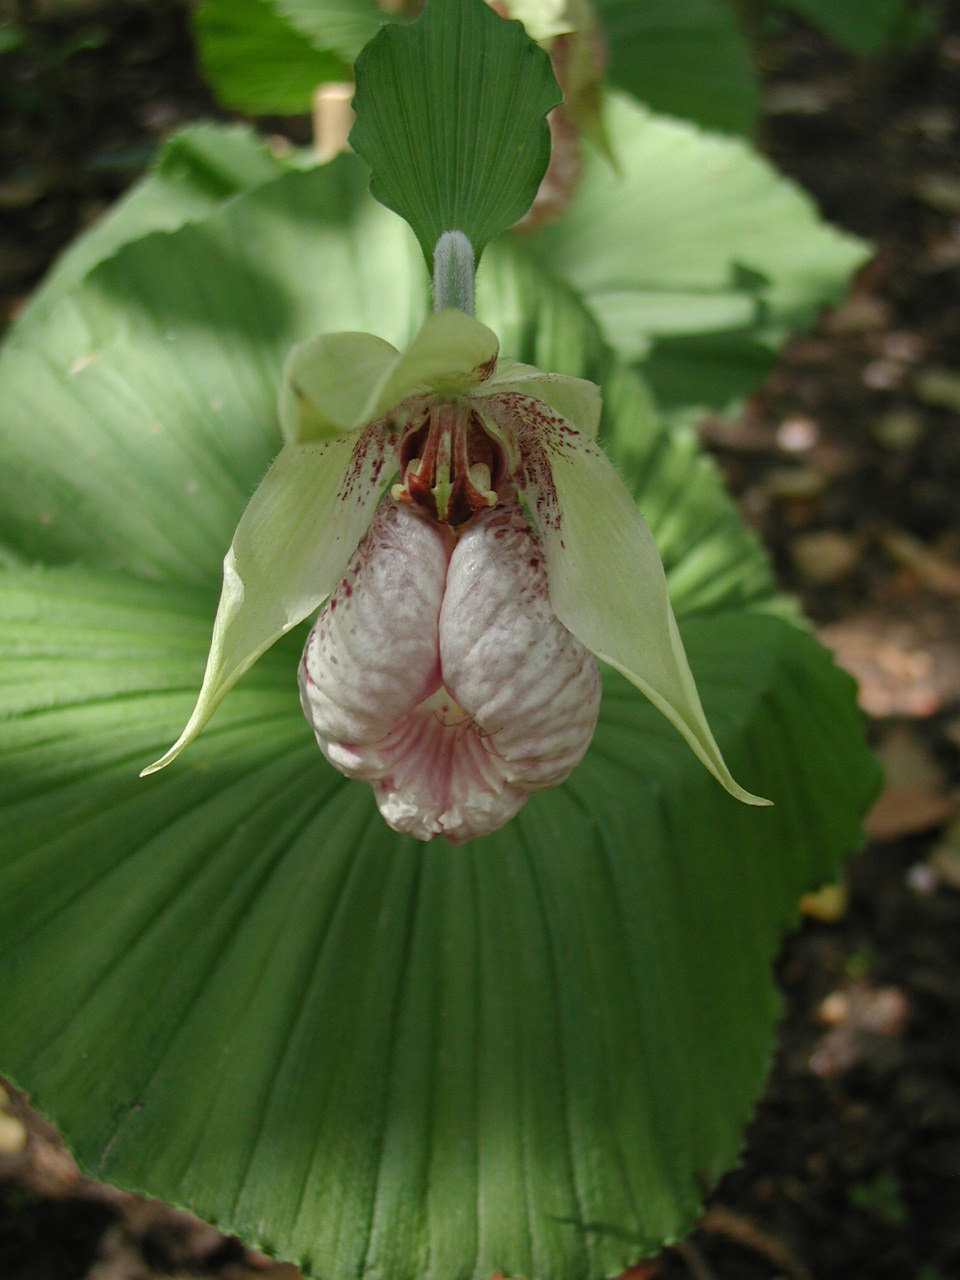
(235, 988)
(232, 986)
(452, 119)
(694, 238)
(268, 56)
(686, 59)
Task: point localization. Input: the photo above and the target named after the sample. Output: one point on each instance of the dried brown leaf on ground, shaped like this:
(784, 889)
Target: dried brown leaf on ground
(936, 571)
(903, 653)
(915, 796)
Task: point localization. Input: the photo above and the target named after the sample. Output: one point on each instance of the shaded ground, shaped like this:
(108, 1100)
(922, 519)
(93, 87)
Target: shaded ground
(849, 464)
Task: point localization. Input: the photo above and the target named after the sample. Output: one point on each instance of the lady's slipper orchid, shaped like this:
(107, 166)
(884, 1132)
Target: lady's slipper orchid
(453, 664)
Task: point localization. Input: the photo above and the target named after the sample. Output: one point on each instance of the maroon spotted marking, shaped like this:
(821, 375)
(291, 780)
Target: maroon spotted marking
(374, 450)
(537, 434)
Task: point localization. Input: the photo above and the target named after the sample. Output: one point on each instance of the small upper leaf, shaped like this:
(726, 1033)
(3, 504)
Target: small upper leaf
(451, 117)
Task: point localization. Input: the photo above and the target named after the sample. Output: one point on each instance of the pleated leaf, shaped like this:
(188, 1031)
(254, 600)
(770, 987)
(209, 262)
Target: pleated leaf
(235, 988)
(451, 118)
(135, 436)
(231, 985)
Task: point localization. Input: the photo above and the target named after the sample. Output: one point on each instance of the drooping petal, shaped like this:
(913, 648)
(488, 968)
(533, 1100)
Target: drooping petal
(607, 583)
(327, 380)
(575, 399)
(339, 382)
(290, 548)
(374, 651)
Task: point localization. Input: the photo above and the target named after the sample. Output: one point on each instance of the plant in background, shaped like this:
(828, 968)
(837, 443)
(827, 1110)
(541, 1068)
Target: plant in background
(232, 984)
(685, 58)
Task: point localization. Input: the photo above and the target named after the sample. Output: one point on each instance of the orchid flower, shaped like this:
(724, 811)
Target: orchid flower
(476, 553)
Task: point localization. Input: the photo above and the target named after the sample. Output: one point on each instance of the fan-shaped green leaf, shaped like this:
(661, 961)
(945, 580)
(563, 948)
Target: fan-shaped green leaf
(451, 117)
(235, 988)
(137, 418)
(138, 438)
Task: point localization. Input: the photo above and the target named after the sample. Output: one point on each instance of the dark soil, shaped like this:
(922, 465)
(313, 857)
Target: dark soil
(83, 104)
(849, 464)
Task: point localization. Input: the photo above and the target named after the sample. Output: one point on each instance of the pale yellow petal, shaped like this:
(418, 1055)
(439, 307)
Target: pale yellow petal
(606, 579)
(452, 353)
(339, 382)
(575, 399)
(290, 549)
(329, 384)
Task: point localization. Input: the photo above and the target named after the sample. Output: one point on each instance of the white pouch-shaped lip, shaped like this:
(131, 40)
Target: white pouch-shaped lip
(439, 672)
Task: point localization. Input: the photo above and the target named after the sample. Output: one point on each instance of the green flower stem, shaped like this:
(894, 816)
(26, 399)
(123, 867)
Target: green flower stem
(453, 272)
